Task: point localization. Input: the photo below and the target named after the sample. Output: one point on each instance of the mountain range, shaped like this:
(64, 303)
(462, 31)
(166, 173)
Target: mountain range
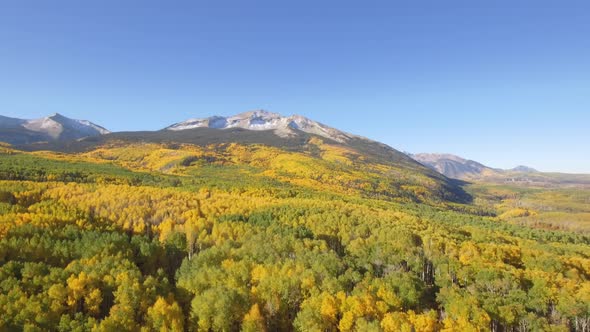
(455, 167)
(319, 153)
(59, 133)
(57, 127)
(460, 168)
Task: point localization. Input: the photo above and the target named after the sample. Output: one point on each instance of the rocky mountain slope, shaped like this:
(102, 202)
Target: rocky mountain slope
(55, 127)
(453, 166)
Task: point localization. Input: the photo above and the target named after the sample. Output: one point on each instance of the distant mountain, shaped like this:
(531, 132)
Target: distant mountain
(51, 128)
(456, 167)
(283, 126)
(523, 169)
(453, 166)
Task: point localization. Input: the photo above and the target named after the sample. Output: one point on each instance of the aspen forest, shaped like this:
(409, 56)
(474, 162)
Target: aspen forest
(238, 237)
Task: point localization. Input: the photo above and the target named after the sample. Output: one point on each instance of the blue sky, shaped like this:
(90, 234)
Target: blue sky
(501, 82)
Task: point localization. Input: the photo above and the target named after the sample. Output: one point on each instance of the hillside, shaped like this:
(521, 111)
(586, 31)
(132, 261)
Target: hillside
(234, 229)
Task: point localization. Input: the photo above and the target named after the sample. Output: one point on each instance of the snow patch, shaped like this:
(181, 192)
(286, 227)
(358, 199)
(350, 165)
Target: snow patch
(261, 120)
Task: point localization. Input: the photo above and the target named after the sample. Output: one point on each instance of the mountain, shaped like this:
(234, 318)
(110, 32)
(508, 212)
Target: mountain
(452, 166)
(293, 133)
(455, 167)
(524, 169)
(283, 126)
(51, 128)
(277, 145)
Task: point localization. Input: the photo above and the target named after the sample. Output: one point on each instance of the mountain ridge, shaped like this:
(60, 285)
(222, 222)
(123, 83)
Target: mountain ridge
(456, 167)
(461, 168)
(261, 120)
(55, 127)
(453, 166)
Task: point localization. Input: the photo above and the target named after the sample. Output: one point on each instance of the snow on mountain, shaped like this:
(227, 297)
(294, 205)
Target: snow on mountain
(54, 127)
(284, 126)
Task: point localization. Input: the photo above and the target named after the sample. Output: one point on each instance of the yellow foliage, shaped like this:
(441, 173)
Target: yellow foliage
(253, 320)
(259, 272)
(146, 156)
(165, 316)
(396, 322)
(425, 322)
(469, 253)
(93, 301)
(329, 308)
(517, 213)
(389, 297)
(347, 321)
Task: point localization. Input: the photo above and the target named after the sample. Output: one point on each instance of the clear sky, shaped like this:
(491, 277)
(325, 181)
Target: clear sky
(500, 82)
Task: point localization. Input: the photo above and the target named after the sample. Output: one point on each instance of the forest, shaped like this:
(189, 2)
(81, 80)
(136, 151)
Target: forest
(232, 237)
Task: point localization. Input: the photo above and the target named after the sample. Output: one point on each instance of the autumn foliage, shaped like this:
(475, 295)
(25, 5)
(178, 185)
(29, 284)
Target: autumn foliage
(255, 238)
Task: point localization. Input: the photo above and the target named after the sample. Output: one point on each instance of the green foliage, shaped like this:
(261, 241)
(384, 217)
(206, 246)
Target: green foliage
(27, 167)
(67, 278)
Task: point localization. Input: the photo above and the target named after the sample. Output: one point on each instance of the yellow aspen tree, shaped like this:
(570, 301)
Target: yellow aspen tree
(253, 320)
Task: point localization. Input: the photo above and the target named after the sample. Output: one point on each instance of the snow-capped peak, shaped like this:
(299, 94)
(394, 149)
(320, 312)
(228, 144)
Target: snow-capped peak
(55, 126)
(284, 126)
